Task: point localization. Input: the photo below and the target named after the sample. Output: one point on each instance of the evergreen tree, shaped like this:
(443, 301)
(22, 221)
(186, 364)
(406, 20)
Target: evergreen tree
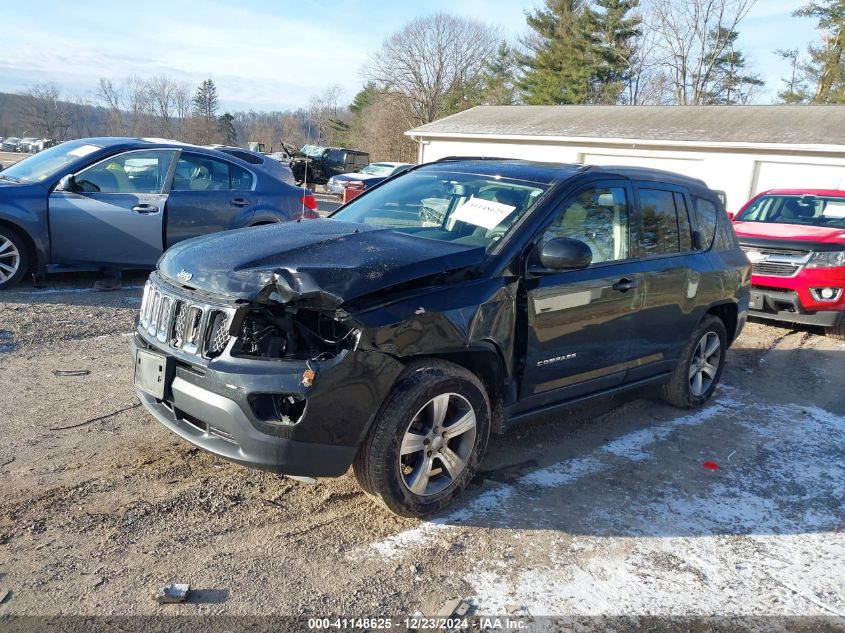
(826, 68)
(226, 129)
(206, 101)
(795, 89)
(618, 31)
(730, 83)
(499, 78)
(580, 52)
(560, 63)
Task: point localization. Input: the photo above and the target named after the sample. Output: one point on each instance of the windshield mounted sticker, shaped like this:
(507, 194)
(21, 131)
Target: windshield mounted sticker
(83, 150)
(484, 213)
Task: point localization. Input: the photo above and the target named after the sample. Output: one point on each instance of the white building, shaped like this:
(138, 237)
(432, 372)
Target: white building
(740, 150)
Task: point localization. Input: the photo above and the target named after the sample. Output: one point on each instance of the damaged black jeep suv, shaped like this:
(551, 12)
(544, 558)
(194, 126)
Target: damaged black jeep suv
(458, 299)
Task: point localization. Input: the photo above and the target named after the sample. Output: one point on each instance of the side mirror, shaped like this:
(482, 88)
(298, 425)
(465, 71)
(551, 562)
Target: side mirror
(564, 253)
(67, 183)
(697, 240)
(731, 215)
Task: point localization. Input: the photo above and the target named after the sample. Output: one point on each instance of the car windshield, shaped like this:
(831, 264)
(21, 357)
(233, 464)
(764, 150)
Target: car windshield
(377, 169)
(313, 151)
(796, 209)
(48, 163)
(452, 207)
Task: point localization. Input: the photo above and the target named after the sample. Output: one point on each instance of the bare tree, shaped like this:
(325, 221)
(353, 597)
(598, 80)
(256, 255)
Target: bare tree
(693, 37)
(323, 111)
(111, 97)
(43, 110)
(162, 103)
(138, 104)
(436, 63)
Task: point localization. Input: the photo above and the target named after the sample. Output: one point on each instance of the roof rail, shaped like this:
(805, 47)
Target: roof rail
(453, 158)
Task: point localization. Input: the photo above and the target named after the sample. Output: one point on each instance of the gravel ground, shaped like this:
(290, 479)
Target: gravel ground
(604, 511)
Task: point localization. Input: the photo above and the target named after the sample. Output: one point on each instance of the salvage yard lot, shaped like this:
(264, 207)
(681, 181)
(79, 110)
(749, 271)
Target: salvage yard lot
(608, 510)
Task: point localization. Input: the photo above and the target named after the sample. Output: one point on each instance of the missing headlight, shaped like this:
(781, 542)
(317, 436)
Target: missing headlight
(305, 334)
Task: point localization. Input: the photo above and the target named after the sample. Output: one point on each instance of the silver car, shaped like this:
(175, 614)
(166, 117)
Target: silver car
(370, 175)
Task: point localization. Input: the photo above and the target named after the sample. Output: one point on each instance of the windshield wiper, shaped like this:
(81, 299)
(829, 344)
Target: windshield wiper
(9, 178)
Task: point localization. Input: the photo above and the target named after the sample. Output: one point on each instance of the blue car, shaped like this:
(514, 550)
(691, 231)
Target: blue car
(121, 202)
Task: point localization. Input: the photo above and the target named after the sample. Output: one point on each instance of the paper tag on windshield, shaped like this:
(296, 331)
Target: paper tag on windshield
(483, 213)
(83, 150)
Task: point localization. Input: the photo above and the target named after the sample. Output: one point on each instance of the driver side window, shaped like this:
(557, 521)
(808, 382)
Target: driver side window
(131, 172)
(597, 216)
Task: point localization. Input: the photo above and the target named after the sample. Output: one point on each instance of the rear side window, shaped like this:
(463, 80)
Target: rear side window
(249, 158)
(241, 178)
(706, 213)
(659, 233)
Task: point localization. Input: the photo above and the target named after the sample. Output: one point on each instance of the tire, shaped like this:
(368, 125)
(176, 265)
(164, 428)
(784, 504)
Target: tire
(684, 389)
(837, 332)
(15, 257)
(428, 399)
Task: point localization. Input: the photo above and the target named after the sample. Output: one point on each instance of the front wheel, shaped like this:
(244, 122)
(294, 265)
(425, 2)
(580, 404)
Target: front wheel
(699, 368)
(837, 331)
(14, 257)
(426, 444)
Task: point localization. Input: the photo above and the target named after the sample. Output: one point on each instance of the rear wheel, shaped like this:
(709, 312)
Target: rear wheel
(427, 442)
(699, 368)
(14, 257)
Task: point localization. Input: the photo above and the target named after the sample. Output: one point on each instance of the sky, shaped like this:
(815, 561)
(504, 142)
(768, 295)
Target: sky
(274, 54)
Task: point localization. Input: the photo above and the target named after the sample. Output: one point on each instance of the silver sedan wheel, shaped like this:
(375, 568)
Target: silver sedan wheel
(705, 363)
(10, 259)
(437, 444)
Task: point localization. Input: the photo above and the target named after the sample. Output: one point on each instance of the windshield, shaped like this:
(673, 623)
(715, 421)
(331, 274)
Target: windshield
(807, 210)
(313, 151)
(377, 169)
(48, 163)
(451, 207)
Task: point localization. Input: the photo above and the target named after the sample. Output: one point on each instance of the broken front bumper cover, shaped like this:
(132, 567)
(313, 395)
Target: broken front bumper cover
(210, 408)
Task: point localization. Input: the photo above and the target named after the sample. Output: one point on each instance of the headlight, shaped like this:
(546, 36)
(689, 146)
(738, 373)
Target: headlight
(827, 259)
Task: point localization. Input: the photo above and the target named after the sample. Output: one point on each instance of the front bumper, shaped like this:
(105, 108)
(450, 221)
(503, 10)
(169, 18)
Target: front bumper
(786, 305)
(209, 406)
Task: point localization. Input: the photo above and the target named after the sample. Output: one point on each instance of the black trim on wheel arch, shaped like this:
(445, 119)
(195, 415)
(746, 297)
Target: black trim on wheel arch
(377, 464)
(677, 390)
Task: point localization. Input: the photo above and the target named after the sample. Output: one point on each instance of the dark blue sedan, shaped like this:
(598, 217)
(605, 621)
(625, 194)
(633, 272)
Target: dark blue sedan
(121, 202)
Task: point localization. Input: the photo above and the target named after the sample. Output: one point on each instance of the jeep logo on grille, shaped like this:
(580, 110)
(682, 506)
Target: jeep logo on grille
(184, 276)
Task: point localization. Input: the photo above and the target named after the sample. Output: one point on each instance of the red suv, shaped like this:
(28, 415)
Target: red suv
(795, 240)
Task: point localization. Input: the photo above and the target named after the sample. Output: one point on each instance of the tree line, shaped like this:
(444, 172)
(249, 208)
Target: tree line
(620, 52)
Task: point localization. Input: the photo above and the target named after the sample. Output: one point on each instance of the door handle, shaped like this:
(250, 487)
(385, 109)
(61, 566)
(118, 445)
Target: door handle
(625, 284)
(145, 209)
(239, 202)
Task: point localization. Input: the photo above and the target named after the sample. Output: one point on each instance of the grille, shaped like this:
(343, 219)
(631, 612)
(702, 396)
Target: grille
(776, 251)
(775, 269)
(195, 328)
(218, 333)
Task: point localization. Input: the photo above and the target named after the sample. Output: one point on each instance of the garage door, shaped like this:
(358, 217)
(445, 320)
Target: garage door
(798, 176)
(692, 168)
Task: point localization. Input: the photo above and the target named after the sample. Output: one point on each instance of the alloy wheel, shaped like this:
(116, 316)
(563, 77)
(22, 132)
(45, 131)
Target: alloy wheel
(704, 364)
(437, 444)
(10, 259)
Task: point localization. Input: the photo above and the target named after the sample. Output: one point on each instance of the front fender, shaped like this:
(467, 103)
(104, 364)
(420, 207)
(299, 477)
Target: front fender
(32, 223)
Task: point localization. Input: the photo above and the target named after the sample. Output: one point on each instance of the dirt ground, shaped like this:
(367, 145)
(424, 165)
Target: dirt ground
(605, 511)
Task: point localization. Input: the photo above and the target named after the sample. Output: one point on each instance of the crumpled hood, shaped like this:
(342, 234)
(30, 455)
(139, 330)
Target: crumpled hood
(326, 261)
